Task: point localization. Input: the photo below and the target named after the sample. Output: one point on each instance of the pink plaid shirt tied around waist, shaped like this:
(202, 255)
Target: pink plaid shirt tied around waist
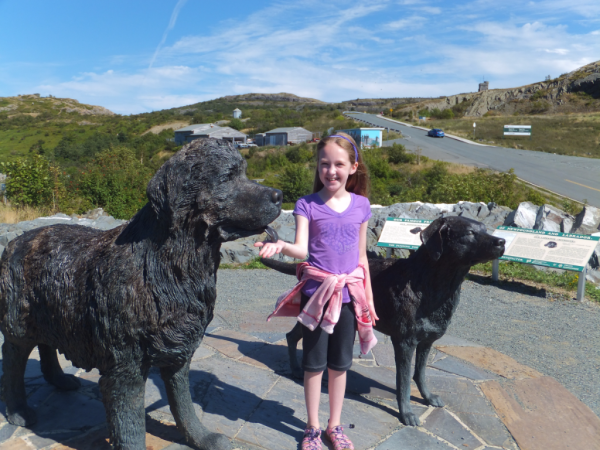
(330, 290)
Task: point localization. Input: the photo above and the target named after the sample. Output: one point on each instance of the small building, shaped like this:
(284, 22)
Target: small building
(208, 130)
(287, 135)
(366, 137)
(237, 114)
(259, 139)
(484, 86)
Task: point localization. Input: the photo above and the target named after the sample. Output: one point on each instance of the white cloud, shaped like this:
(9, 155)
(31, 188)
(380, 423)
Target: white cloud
(172, 22)
(431, 9)
(127, 93)
(343, 52)
(406, 23)
(558, 51)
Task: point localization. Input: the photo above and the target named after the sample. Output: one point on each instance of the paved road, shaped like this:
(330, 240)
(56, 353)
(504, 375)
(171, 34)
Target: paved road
(575, 177)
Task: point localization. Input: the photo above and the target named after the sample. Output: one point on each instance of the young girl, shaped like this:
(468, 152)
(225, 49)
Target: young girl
(334, 292)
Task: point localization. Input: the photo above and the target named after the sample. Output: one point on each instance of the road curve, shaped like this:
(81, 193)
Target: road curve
(572, 176)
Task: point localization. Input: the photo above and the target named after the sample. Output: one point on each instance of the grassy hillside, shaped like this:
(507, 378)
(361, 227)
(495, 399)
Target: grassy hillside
(564, 134)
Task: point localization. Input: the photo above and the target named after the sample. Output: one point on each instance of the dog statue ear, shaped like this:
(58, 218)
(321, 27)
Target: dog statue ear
(432, 239)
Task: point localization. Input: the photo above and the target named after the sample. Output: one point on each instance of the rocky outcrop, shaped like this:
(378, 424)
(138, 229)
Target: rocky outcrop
(506, 101)
(590, 85)
(89, 111)
(96, 218)
(587, 221)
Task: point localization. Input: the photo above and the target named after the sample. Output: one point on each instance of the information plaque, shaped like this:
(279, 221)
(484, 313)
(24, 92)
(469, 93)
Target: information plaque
(547, 248)
(402, 233)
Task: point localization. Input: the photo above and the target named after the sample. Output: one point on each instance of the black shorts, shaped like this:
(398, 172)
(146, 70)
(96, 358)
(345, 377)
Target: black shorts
(333, 351)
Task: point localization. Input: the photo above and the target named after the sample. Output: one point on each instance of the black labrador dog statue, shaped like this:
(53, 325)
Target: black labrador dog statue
(133, 297)
(416, 297)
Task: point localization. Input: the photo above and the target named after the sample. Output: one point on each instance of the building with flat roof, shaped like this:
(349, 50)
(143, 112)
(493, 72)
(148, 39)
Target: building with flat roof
(366, 137)
(287, 135)
(208, 130)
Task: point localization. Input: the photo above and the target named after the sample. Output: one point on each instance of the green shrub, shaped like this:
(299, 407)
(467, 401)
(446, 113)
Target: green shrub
(397, 154)
(116, 181)
(33, 182)
(236, 124)
(299, 154)
(295, 182)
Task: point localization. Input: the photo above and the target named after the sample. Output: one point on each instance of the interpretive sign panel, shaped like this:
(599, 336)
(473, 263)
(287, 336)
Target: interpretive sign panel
(517, 130)
(547, 248)
(402, 233)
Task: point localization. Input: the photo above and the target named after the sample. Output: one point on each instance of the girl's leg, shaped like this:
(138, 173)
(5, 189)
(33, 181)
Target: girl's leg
(337, 389)
(312, 397)
(339, 360)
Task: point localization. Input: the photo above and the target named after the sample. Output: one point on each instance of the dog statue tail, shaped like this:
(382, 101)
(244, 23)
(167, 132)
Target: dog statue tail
(280, 266)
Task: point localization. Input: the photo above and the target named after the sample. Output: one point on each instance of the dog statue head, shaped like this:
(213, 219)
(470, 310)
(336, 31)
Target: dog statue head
(204, 185)
(462, 241)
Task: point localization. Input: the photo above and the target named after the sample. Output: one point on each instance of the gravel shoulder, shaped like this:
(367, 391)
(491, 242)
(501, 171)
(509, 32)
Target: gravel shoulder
(558, 338)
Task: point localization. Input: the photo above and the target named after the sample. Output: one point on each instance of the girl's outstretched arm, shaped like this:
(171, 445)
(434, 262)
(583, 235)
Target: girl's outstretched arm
(362, 258)
(297, 250)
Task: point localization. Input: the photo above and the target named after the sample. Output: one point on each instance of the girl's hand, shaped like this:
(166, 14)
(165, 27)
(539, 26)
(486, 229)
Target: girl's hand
(374, 316)
(269, 248)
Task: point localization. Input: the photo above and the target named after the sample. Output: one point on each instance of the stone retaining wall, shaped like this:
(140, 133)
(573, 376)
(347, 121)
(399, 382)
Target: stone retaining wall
(527, 215)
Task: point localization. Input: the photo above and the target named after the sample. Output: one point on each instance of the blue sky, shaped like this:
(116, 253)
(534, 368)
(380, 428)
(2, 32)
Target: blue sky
(134, 56)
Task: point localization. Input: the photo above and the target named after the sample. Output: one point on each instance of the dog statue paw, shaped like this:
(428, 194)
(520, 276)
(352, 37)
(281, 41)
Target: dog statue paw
(434, 400)
(408, 418)
(22, 417)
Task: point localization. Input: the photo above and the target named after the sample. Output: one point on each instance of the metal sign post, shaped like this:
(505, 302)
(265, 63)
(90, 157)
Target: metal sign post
(581, 284)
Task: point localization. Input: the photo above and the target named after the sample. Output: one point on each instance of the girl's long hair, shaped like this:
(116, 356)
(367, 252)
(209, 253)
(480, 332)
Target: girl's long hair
(358, 182)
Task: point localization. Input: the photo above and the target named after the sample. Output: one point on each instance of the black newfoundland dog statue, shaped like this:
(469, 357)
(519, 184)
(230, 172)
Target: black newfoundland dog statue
(137, 296)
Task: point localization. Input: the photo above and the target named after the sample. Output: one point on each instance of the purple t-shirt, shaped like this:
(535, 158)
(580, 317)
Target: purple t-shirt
(332, 236)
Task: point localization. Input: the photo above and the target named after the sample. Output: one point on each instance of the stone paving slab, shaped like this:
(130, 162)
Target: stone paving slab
(445, 426)
(242, 386)
(541, 414)
(410, 438)
(454, 365)
(492, 361)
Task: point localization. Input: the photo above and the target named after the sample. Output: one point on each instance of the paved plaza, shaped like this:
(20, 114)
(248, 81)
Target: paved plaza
(242, 386)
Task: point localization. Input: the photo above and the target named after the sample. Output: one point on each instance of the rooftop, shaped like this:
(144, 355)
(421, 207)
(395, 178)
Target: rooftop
(285, 129)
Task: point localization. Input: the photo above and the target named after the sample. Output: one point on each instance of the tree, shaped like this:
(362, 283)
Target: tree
(116, 181)
(33, 182)
(236, 124)
(296, 181)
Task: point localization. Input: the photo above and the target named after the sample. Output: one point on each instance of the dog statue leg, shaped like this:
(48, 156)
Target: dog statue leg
(122, 390)
(293, 337)
(403, 352)
(423, 350)
(14, 362)
(177, 384)
(52, 371)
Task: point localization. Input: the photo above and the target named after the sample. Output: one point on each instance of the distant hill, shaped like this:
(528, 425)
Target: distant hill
(227, 104)
(35, 105)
